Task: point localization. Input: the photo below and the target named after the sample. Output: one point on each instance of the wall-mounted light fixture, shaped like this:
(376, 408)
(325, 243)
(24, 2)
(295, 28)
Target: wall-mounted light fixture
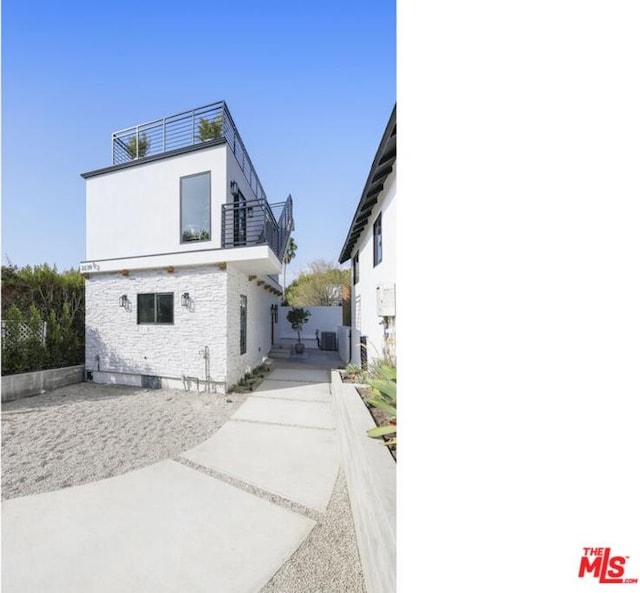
(234, 188)
(185, 301)
(274, 313)
(250, 211)
(124, 301)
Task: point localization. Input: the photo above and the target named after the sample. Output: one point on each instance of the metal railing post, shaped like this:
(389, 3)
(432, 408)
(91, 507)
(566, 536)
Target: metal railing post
(223, 242)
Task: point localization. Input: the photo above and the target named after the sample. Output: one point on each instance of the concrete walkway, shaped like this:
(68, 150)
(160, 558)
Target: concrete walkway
(218, 518)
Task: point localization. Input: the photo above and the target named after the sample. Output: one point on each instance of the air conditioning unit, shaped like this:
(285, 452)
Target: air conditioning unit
(329, 341)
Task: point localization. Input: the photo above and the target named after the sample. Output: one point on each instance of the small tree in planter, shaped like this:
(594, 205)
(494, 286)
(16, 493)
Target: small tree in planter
(297, 317)
(137, 147)
(209, 129)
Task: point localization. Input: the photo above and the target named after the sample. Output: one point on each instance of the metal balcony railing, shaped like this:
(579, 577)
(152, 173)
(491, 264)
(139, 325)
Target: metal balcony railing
(253, 222)
(190, 128)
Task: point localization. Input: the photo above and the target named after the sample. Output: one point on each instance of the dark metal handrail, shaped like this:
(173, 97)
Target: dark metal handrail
(183, 130)
(285, 224)
(249, 223)
(253, 222)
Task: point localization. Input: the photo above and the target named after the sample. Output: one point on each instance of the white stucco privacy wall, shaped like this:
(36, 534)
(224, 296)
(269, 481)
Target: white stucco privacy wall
(323, 319)
(136, 211)
(259, 301)
(170, 351)
(364, 314)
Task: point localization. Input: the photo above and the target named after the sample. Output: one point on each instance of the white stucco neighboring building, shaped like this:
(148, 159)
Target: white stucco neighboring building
(183, 253)
(371, 247)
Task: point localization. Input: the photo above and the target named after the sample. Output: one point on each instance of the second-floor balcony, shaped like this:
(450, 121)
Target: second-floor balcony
(256, 222)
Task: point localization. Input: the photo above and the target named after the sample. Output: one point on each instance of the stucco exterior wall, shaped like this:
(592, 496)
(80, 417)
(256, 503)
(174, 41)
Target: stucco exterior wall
(259, 301)
(113, 334)
(136, 211)
(234, 173)
(364, 315)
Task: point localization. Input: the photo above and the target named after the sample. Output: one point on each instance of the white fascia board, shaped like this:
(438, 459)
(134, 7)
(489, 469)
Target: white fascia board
(257, 259)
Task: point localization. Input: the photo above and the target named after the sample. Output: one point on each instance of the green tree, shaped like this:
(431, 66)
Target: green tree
(297, 317)
(321, 284)
(289, 254)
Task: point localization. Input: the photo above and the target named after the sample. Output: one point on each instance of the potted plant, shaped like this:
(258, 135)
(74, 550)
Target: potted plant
(209, 129)
(137, 147)
(297, 317)
(194, 235)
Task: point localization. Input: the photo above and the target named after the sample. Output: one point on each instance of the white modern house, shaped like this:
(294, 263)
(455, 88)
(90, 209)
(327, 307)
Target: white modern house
(371, 247)
(183, 253)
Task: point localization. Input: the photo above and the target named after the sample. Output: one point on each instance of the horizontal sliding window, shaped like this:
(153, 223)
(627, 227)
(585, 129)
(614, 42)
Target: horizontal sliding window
(155, 308)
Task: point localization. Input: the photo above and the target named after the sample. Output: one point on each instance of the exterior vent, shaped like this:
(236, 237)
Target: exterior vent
(328, 341)
(151, 382)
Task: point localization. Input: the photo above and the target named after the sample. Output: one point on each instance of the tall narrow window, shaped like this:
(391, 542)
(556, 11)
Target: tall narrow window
(356, 267)
(377, 240)
(195, 207)
(155, 308)
(243, 324)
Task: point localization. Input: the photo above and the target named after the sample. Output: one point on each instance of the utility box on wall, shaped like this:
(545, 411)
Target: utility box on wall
(386, 300)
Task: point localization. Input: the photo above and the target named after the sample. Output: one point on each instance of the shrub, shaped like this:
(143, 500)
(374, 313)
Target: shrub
(383, 385)
(29, 296)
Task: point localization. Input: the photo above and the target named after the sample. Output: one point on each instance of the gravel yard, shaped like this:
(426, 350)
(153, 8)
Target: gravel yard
(87, 432)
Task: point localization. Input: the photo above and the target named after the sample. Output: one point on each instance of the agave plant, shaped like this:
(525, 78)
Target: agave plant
(384, 398)
(355, 373)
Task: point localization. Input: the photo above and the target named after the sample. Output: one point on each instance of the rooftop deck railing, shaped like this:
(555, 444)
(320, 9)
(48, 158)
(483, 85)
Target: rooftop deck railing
(190, 128)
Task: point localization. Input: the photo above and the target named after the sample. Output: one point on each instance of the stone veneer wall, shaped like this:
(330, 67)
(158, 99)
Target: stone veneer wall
(168, 351)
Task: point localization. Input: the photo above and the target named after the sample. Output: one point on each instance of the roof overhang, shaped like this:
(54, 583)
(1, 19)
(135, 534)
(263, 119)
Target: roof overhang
(381, 168)
(257, 259)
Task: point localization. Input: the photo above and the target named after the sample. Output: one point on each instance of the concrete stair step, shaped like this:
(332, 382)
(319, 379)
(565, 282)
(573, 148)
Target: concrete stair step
(280, 351)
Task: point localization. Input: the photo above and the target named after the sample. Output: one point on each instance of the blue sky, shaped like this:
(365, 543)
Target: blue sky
(310, 87)
(521, 355)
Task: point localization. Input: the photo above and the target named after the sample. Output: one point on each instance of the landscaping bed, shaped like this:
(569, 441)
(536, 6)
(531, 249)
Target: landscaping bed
(380, 417)
(251, 380)
(371, 479)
